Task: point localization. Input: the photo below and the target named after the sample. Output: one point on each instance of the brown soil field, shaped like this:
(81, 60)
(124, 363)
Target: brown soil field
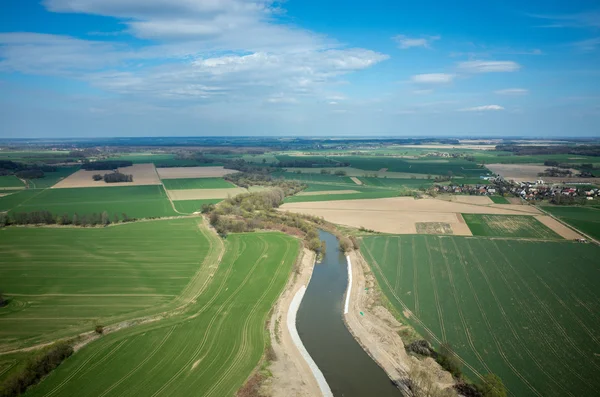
(400, 215)
(193, 172)
(143, 174)
(199, 194)
(358, 172)
(356, 180)
(526, 172)
(324, 192)
(558, 227)
(479, 200)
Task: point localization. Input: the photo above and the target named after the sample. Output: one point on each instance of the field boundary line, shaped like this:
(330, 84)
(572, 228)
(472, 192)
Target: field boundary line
(567, 225)
(438, 307)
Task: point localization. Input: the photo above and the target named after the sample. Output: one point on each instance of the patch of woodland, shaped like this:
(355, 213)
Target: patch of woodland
(36, 368)
(113, 177)
(24, 171)
(578, 150)
(490, 386)
(247, 179)
(48, 218)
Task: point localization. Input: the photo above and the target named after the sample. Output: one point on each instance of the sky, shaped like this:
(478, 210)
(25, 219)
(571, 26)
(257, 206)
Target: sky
(107, 68)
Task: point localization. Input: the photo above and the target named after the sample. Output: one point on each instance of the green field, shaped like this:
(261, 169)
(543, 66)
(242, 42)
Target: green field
(365, 193)
(323, 187)
(524, 310)
(161, 159)
(197, 183)
(585, 219)
(191, 206)
(306, 177)
(210, 349)
(51, 178)
(135, 201)
(396, 183)
(515, 226)
(499, 200)
(10, 181)
(64, 280)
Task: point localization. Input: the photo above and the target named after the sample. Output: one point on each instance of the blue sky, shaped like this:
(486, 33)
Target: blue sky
(93, 68)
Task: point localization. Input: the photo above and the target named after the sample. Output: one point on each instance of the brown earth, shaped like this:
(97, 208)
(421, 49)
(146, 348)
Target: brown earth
(356, 180)
(377, 331)
(143, 174)
(193, 172)
(325, 192)
(558, 227)
(480, 200)
(292, 376)
(529, 172)
(399, 215)
(199, 194)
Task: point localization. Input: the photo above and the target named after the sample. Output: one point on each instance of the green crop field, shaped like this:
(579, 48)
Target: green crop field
(586, 219)
(135, 201)
(309, 177)
(524, 310)
(51, 178)
(323, 187)
(197, 183)
(10, 181)
(191, 206)
(522, 226)
(161, 160)
(396, 182)
(208, 350)
(499, 200)
(63, 280)
(365, 193)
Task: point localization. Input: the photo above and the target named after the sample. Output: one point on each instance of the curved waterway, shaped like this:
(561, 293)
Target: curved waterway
(348, 369)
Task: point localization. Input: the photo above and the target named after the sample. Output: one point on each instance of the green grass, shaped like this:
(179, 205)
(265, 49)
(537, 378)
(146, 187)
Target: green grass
(583, 218)
(191, 206)
(323, 187)
(209, 350)
(524, 310)
(135, 201)
(161, 159)
(10, 181)
(396, 182)
(499, 200)
(63, 280)
(51, 178)
(306, 177)
(521, 226)
(364, 194)
(197, 183)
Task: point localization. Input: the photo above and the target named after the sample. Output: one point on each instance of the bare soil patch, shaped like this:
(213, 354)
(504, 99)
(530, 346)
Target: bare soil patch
(356, 180)
(479, 200)
(399, 215)
(433, 228)
(528, 172)
(198, 194)
(143, 174)
(558, 227)
(291, 374)
(193, 172)
(383, 170)
(325, 192)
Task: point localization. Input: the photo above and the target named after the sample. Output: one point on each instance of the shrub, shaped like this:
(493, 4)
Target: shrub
(492, 386)
(99, 329)
(448, 360)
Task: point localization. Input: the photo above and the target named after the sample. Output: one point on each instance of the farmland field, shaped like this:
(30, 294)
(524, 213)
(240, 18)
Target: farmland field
(135, 201)
(10, 182)
(209, 350)
(583, 218)
(72, 277)
(364, 193)
(524, 310)
(508, 226)
(197, 183)
(499, 200)
(191, 206)
(317, 177)
(396, 182)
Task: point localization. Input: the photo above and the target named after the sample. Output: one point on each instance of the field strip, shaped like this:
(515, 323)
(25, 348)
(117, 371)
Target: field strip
(541, 324)
(326, 192)
(435, 292)
(415, 286)
(414, 317)
(245, 344)
(399, 267)
(291, 325)
(222, 307)
(356, 180)
(509, 324)
(569, 226)
(167, 192)
(547, 309)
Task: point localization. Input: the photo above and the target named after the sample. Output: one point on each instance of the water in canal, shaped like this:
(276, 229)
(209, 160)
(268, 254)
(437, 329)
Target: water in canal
(348, 369)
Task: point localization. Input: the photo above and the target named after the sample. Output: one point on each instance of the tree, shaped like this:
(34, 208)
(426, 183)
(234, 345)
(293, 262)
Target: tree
(97, 177)
(448, 360)
(99, 329)
(3, 301)
(421, 384)
(105, 220)
(3, 219)
(492, 386)
(75, 219)
(264, 160)
(116, 218)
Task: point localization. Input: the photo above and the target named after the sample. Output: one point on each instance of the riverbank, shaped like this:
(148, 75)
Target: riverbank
(291, 374)
(377, 330)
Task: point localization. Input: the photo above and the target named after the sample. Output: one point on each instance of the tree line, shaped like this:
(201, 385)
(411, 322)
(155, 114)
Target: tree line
(25, 171)
(106, 165)
(35, 369)
(48, 218)
(113, 177)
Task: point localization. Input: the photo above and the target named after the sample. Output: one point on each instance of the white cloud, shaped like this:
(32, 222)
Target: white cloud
(488, 66)
(422, 92)
(405, 42)
(432, 78)
(512, 91)
(590, 19)
(483, 108)
(587, 45)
